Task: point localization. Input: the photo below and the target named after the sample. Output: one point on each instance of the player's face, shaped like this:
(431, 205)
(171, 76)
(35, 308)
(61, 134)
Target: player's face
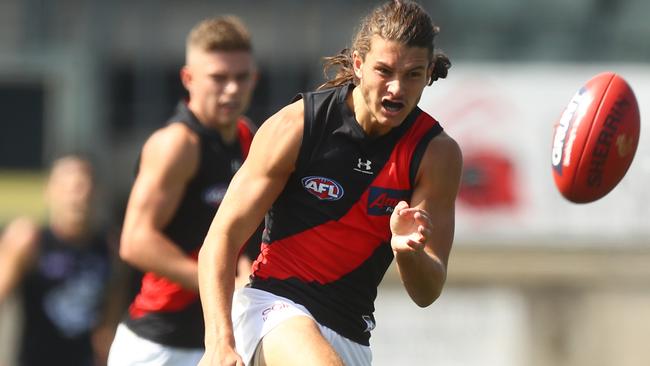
(392, 78)
(70, 189)
(220, 85)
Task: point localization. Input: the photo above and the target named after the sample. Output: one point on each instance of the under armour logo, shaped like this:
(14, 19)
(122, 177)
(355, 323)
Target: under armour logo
(364, 166)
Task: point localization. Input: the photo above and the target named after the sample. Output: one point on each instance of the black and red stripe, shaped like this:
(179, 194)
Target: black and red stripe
(163, 311)
(330, 256)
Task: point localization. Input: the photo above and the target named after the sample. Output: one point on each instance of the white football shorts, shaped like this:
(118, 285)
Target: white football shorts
(129, 349)
(256, 312)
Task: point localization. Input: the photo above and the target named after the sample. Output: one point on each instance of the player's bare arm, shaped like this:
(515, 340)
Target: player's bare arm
(253, 190)
(169, 159)
(425, 230)
(18, 249)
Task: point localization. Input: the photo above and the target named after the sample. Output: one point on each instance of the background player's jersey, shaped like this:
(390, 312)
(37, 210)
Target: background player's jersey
(63, 300)
(327, 238)
(163, 311)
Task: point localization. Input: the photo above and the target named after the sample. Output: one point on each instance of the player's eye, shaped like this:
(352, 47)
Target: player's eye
(242, 78)
(219, 78)
(383, 71)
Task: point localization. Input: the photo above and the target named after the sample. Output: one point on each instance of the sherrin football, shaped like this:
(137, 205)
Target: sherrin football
(595, 139)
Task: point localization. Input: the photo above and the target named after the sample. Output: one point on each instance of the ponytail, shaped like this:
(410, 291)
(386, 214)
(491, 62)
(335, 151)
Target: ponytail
(345, 71)
(441, 65)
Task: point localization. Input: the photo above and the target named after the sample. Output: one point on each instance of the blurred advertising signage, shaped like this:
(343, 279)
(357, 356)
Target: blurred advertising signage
(502, 116)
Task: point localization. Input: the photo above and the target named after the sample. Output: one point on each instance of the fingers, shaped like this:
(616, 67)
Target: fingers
(416, 245)
(423, 234)
(417, 213)
(400, 207)
(422, 218)
(417, 240)
(424, 231)
(411, 227)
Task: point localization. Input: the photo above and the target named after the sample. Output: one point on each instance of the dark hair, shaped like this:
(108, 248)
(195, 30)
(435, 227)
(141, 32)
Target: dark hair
(402, 21)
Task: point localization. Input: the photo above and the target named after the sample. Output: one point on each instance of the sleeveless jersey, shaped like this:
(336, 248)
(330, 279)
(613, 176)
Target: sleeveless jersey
(62, 300)
(163, 311)
(327, 240)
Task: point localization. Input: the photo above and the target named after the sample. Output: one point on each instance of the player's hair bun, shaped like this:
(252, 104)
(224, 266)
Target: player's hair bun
(441, 65)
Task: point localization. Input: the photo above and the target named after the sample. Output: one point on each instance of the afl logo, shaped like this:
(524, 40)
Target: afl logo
(323, 188)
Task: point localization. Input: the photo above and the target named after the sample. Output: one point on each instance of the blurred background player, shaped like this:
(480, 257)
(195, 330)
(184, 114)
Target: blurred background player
(185, 168)
(66, 273)
(353, 176)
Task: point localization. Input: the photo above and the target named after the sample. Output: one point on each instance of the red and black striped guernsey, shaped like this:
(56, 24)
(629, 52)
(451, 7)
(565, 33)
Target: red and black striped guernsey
(327, 239)
(163, 311)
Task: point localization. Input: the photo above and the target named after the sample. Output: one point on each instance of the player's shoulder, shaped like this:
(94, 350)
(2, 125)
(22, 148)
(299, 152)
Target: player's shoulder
(288, 120)
(174, 138)
(174, 134)
(283, 131)
(446, 148)
(174, 145)
(293, 111)
(441, 167)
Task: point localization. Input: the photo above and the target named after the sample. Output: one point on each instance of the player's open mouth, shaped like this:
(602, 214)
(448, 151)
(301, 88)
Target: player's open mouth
(392, 106)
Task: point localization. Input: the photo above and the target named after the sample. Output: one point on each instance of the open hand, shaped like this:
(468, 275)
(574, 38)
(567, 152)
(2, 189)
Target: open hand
(411, 228)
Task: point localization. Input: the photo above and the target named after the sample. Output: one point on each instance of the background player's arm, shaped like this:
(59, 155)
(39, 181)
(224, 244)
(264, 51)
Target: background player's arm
(423, 269)
(115, 301)
(169, 159)
(18, 249)
(251, 193)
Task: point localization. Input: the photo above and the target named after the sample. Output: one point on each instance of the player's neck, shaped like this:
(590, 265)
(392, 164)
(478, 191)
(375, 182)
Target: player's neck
(69, 229)
(357, 103)
(228, 131)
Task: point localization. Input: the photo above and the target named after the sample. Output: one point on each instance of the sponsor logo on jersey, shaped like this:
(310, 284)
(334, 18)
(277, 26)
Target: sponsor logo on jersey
(214, 195)
(323, 188)
(382, 201)
(278, 306)
(364, 166)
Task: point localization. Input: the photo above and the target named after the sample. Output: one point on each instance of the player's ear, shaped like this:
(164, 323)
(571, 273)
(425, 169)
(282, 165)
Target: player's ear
(186, 77)
(357, 62)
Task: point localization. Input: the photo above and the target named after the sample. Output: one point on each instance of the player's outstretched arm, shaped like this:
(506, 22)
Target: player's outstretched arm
(168, 161)
(423, 231)
(251, 193)
(18, 250)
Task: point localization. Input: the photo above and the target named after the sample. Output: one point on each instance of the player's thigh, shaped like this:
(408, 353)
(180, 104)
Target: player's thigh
(297, 341)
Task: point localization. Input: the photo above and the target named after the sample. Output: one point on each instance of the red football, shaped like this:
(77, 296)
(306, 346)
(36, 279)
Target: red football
(595, 139)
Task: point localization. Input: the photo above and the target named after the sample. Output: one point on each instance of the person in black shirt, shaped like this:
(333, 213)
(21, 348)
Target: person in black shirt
(67, 273)
(184, 170)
